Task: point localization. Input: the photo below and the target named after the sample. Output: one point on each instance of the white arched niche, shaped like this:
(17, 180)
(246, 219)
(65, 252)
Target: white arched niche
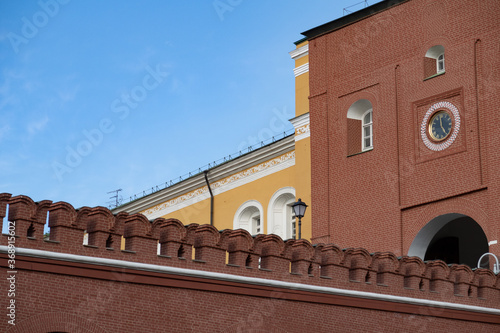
(250, 216)
(359, 127)
(280, 218)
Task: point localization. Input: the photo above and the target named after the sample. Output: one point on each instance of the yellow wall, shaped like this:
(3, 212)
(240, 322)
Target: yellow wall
(302, 86)
(303, 181)
(302, 147)
(227, 203)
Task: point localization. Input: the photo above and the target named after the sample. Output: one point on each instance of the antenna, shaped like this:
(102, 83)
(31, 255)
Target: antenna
(348, 11)
(117, 199)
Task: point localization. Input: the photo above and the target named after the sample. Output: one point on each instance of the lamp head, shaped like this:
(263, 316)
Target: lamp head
(299, 208)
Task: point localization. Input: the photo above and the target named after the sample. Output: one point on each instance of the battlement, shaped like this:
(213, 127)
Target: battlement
(167, 242)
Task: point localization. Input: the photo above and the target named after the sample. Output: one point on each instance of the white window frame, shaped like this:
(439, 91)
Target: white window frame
(437, 53)
(440, 61)
(367, 125)
(255, 223)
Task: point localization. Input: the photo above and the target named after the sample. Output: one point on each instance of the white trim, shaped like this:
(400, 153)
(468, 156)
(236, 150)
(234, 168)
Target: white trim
(237, 216)
(367, 125)
(299, 52)
(493, 242)
(221, 171)
(246, 280)
(300, 121)
(302, 127)
(239, 179)
(301, 69)
(438, 70)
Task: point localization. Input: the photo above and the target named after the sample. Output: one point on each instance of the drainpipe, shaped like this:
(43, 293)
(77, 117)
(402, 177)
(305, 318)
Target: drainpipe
(211, 199)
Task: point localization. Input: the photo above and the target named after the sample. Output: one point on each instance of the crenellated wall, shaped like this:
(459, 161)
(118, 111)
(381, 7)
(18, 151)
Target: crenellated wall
(353, 276)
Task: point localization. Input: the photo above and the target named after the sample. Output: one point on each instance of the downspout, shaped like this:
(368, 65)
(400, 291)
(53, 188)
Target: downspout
(211, 199)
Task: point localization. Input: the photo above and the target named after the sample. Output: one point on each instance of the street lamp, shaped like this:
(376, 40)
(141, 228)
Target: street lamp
(299, 208)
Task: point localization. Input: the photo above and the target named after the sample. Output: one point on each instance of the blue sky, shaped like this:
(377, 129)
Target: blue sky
(101, 95)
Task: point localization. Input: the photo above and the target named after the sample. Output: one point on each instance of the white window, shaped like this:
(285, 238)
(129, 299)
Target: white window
(249, 216)
(367, 129)
(359, 127)
(280, 218)
(434, 55)
(256, 227)
(292, 221)
(440, 63)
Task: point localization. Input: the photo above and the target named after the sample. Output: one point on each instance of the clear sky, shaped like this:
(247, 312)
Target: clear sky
(104, 95)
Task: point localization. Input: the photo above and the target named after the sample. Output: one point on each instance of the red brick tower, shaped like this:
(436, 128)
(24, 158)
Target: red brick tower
(404, 128)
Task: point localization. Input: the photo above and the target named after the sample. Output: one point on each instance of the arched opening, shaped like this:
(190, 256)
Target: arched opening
(249, 217)
(454, 238)
(281, 219)
(359, 127)
(434, 61)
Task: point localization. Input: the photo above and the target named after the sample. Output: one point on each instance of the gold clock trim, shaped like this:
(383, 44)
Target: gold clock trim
(429, 126)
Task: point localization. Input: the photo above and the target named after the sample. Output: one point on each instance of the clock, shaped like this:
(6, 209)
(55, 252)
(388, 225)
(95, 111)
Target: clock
(440, 126)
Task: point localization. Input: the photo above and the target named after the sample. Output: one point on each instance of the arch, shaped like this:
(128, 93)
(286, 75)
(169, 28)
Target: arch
(359, 127)
(434, 61)
(358, 109)
(454, 238)
(280, 218)
(250, 217)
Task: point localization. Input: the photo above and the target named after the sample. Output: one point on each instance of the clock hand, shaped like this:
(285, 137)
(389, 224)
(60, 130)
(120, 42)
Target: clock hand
(441, 124)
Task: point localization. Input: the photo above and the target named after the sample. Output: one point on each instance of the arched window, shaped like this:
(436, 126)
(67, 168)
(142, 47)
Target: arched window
(440, 63)
(359, 127)
(280, 216)
(434, 61)
(249, 216)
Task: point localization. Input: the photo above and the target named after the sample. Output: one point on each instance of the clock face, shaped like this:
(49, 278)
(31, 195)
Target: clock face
(440, 125)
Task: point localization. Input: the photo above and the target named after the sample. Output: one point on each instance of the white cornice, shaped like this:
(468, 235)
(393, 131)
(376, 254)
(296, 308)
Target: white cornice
(236, 180)
(216, 173)
(300, 52)
(301, 69)
(300, 121)
(302, 127)
(247, 280)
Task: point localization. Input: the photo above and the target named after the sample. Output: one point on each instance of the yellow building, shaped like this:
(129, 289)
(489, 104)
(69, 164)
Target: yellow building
(253, 191)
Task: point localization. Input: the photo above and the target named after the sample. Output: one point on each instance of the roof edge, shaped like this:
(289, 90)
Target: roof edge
(351, 18)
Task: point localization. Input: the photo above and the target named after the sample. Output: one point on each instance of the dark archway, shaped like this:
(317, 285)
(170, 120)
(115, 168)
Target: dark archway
(454, 238)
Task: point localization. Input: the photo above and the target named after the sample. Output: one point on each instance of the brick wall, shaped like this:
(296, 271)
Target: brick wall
(235, 282)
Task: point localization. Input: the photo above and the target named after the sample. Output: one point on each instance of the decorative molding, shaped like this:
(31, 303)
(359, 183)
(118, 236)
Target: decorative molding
(302, 132)
(301, 69)
(301, 125)
(299, 52)
(235, 180)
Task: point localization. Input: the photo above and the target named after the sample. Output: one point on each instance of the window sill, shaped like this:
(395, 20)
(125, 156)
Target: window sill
(434, 75)
(361, 152)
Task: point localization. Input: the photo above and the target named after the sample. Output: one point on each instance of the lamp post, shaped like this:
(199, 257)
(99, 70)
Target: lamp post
(299, 208)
